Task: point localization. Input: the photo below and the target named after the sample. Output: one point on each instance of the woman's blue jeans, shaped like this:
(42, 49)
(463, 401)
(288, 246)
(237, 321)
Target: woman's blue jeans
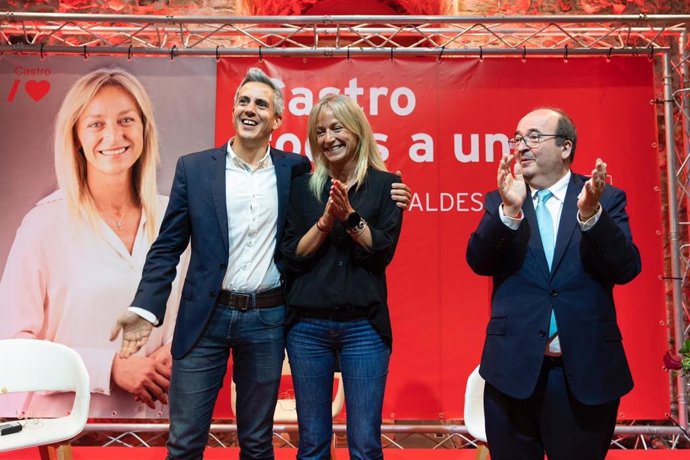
(315, 346)
(257, 340)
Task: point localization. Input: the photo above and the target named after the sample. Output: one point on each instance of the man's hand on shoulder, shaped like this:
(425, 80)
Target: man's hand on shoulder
(401, 193)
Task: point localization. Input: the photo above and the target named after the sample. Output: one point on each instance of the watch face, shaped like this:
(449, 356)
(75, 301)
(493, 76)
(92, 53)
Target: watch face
(353, 220)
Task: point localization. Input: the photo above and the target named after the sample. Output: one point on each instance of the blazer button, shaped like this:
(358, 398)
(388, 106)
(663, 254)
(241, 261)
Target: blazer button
(213, 294)
(223, 266)
(553, 293)
(542, 333)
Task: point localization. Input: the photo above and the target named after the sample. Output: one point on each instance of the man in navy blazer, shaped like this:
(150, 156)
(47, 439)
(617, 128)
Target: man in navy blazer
(230, 203)
(553, 358)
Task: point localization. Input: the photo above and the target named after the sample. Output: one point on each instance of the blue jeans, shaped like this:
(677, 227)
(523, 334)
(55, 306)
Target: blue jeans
(314, 346)
(256, 338)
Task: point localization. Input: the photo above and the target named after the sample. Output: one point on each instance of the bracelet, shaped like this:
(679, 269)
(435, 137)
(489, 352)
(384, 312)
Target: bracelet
(322, 228)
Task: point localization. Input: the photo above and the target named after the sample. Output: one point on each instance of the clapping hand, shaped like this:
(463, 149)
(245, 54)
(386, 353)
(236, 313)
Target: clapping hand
(588, 199)
(511, 186)
(339, 200)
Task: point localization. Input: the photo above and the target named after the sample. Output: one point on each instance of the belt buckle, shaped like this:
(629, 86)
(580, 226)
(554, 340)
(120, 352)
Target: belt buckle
(242, 302)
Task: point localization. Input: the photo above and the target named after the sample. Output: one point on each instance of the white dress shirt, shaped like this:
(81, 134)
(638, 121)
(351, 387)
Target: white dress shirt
(555, 207)
(252, 206)
(251, 201)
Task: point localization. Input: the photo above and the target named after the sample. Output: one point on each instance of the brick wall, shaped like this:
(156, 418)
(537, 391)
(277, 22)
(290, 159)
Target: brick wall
(157, 7)
(270, 7)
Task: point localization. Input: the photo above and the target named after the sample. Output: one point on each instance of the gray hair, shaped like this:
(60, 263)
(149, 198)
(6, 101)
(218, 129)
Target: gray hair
(255, 74)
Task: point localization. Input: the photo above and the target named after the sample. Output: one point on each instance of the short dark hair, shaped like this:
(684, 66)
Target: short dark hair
(566, 131)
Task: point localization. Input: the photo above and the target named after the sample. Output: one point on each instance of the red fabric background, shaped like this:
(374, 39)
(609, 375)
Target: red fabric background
(439, 308)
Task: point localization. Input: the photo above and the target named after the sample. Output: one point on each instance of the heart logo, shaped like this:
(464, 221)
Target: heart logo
(37, 89)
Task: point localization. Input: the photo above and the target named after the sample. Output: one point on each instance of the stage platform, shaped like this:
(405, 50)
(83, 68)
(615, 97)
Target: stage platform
(158, 453)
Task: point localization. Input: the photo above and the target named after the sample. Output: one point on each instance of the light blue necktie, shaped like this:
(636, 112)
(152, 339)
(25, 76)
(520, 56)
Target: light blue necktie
(548, 240)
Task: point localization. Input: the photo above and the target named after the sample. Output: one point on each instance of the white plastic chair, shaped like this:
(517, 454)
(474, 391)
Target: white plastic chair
(474, 406)
(39, 365)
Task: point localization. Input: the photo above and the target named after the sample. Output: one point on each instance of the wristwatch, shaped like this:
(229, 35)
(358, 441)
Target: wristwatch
(354, 223)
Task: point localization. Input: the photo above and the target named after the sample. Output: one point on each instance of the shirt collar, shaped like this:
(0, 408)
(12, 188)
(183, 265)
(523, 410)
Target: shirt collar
(265, 162)
(558, 189)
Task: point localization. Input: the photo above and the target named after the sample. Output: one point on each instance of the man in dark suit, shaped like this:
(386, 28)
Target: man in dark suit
(231, 204)
(555, 244)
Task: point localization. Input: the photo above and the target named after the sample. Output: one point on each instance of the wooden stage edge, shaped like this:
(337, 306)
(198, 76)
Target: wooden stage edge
(158, 453)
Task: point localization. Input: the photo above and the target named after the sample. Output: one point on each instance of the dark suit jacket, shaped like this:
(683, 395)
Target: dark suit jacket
(579, 288)
(197, 211)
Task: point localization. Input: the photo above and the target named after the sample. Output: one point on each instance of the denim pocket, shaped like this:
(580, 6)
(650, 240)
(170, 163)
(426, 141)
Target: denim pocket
(274, 316)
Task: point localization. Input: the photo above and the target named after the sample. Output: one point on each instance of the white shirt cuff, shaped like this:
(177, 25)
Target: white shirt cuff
(591, 222)
(512, 223)
(147, 315)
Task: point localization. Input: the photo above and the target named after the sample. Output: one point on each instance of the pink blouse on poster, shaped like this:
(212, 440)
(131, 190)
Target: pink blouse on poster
(67, 283)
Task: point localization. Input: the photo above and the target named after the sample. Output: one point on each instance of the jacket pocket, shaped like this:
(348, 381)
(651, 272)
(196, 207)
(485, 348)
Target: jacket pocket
(187, 291)
(497, 326)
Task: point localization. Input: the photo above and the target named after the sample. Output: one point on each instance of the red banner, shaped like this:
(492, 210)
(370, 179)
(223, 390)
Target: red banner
(445, 125)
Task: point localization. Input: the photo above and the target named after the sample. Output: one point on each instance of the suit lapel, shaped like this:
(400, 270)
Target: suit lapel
(568, 222)
(283, 179)
(216, 175)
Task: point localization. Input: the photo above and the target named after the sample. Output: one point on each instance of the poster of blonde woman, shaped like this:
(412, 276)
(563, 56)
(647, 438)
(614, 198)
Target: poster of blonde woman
(74, 259)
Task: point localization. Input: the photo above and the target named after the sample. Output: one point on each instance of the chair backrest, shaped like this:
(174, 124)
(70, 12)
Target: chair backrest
(286, 408)
(474, 405)
(39, 365)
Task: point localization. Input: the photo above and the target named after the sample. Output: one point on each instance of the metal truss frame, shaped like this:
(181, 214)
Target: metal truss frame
(335, 35)
(397, 436)
(661, 37)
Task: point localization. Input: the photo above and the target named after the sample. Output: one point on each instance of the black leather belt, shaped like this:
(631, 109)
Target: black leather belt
(334, 314)
(247, 301)
(553, 361)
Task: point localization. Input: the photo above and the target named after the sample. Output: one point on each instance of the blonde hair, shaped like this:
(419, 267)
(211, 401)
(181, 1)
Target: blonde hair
(70, 163)
(352, 117)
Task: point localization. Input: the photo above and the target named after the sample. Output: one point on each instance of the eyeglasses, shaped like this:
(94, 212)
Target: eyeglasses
(531, 140)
